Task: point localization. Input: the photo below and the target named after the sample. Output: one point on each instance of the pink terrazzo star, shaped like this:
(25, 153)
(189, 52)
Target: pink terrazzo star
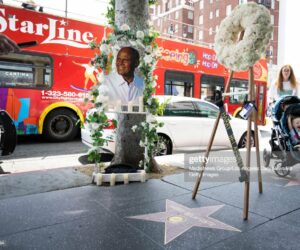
(178, 219)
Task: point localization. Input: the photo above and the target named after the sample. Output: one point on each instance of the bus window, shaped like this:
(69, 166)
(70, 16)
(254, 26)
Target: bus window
(209, 84)
(24, 70)
(237, 85)
(179, 83)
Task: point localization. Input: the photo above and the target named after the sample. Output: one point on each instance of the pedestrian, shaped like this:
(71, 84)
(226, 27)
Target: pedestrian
(7, 45)
(286, 84)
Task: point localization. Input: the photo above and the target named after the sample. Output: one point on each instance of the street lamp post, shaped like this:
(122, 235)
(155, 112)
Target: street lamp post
(171, 30)
(271, 56)
(66, 9)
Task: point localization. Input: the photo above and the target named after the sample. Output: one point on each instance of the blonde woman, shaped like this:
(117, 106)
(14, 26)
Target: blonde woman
(286, 84)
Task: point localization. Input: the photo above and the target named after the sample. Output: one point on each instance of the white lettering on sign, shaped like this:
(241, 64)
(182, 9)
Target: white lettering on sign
(209, 61)
(54, 31)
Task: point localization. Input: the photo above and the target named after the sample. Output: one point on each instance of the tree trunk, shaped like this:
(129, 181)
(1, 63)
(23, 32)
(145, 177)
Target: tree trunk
(134, 13)
(128, 150)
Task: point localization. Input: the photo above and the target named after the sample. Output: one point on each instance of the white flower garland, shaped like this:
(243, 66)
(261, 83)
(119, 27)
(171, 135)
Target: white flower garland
(144, 43)
(255, 21)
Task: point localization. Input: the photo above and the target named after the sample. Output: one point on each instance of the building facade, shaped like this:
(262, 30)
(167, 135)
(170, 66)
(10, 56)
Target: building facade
(197, 21)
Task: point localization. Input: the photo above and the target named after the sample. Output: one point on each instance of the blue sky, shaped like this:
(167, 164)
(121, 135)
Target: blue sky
(94, 10)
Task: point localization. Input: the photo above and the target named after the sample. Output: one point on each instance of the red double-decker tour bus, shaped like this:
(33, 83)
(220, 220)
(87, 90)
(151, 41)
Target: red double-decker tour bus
(44, 86)
(191, 70)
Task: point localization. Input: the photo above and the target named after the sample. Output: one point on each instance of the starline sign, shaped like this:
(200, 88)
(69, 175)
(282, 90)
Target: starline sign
(54, 30)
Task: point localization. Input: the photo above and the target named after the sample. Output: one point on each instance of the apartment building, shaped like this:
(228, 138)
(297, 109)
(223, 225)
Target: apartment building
(197, 21)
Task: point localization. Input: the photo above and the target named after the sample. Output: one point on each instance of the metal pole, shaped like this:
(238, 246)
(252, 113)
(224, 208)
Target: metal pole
(66, 9)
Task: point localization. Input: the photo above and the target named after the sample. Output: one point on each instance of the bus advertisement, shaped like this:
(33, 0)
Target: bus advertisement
(43, 87)
(191, 70)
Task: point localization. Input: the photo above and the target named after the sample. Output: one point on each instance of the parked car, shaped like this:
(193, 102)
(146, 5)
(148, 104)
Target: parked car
(188, 124)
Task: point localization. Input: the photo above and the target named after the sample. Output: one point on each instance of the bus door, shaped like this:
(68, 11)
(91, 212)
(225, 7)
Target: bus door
(261, 91)
(22, 76)
(236, 101)
(179, 83)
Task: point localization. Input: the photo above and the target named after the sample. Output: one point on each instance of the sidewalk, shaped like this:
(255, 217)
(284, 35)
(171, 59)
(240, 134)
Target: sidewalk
(158, 214)
(34, 182)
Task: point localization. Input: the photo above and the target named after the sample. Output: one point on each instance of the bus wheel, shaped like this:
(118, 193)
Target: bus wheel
(60, 125)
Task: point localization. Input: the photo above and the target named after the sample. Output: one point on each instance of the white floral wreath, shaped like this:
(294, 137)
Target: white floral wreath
(254, 22)
(144, 42)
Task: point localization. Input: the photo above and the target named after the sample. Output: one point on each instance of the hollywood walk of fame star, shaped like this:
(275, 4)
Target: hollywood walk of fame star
(178, 219)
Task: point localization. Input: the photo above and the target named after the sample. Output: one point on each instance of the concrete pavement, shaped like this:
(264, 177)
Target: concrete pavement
(34, 182)
(60, 209)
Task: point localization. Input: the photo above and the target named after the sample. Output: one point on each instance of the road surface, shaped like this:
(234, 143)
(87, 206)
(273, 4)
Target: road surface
(34, 153)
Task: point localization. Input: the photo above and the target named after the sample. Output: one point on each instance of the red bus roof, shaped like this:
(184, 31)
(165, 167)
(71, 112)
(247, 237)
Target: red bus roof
(58, 35)
(53, 34)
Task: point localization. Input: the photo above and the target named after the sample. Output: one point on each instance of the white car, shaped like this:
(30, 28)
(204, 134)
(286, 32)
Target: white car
(188, 124)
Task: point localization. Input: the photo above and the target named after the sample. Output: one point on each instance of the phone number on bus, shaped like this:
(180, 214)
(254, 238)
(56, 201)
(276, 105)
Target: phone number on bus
(57, 93)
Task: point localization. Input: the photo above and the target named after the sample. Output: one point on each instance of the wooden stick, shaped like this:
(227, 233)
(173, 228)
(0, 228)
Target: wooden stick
(211, 140)
(247, 183)
(260, 187)
(210, 143)
(256, 139)
(248, 146)
(241, 35)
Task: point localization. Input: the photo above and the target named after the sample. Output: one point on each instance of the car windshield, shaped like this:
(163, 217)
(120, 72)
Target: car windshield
(207, 110)
(191, 109)
(182, 108)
